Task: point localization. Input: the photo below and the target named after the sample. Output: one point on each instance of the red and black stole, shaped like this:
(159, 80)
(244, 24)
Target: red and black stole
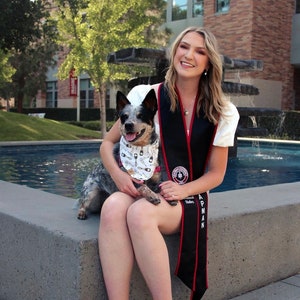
(185, 158)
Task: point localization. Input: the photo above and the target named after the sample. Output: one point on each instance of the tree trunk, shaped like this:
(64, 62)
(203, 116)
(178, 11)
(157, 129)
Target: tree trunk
(102, 95)
(20, 94)
(20, 102)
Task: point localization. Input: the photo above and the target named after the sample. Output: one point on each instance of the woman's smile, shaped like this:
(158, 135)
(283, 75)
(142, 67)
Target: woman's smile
(187, 65)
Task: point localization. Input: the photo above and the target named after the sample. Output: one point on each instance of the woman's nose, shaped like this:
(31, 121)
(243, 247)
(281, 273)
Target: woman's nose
(188, 54)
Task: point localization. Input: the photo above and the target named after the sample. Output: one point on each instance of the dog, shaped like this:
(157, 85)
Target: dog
(136, 153)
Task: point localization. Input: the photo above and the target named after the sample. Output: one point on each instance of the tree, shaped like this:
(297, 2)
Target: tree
(91, 29)
(6, 70)
(18, 23)
(6, 73)
(28, 35)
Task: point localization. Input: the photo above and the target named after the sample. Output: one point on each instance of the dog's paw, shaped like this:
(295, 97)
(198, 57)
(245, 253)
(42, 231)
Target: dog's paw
(154, 200)
(173, 202)
(81, 214)
(148, 194)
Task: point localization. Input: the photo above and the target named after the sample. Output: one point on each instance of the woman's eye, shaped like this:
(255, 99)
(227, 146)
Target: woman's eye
(182, 46)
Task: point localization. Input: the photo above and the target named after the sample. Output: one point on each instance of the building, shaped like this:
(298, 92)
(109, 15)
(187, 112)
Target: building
(266, 30)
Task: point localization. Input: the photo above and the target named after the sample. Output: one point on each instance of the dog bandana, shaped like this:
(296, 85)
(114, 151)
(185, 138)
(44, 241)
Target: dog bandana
(139, 162)
(185, 157)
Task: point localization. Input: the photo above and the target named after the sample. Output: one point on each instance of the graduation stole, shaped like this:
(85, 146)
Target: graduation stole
(185, 158)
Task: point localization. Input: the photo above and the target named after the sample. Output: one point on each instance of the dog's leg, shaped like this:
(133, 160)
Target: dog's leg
(147, 193)
(152, 197)
(82, 215)
(92, 203)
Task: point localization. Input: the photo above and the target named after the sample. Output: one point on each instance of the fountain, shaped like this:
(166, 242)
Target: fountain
(156, 58)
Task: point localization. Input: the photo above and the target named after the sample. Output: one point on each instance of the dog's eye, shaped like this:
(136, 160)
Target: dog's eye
(139, 115)
(124, 117)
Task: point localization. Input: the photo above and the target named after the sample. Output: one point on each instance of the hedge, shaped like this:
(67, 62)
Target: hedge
(70, 114)
(286, 125)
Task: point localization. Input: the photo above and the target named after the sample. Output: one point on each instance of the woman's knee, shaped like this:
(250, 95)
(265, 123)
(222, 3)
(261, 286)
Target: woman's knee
(140, 215)
(115, 208)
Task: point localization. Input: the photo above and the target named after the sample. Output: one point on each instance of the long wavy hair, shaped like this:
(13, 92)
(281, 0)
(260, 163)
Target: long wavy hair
(210, 92)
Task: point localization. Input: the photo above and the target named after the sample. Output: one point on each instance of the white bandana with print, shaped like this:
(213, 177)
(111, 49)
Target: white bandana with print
(139, 161)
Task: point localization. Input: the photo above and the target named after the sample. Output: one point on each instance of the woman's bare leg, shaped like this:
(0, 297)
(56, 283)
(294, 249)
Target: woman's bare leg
(115, 248)
(146, 223)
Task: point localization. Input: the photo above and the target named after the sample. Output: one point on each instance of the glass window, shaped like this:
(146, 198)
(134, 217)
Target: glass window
(198, 8)
(179, 10)
(91, 99)
(222, 5)
(86, 94)
(82, 98)
(51, 94)
(107, 97)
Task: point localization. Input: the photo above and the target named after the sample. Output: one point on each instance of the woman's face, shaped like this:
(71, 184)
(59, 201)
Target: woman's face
(191, 58)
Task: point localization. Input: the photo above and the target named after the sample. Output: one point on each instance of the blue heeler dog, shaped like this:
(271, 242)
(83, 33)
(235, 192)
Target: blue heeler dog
(136, 153)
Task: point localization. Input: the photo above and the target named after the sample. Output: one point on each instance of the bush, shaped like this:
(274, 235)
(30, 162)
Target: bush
(92, 125)
(76, 123)
(292, 124)
(286, 126)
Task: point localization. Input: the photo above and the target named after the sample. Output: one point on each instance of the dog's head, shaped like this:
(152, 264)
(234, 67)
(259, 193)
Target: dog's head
(137, 122)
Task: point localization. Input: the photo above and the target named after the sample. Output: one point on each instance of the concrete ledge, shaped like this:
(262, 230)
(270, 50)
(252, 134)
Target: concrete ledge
(46, 253)
(254, 238)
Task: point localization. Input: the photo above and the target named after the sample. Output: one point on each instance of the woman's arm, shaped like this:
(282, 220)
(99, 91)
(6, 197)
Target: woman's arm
(122, 180)
(211, 179)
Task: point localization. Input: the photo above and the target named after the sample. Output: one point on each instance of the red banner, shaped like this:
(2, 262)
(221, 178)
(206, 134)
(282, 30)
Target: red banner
(73, 82)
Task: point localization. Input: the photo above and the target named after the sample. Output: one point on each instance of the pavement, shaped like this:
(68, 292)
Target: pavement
(286, 289)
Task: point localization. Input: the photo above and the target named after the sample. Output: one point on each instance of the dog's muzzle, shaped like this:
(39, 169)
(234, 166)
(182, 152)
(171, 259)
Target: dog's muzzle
(129, 127)
(130, 134)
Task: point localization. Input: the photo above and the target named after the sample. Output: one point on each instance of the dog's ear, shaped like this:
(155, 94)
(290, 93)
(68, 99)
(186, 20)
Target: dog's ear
(122, 101)
(150, 101)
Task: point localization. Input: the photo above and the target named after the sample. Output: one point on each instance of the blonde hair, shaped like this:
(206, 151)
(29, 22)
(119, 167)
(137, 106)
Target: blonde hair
(211, 96)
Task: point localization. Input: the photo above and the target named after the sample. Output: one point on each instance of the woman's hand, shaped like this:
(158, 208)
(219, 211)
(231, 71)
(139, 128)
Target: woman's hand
(213, 177)
(172, 191)
(124, 183)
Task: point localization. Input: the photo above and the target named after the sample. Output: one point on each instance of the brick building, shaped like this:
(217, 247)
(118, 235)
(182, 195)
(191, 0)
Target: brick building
(266, 30)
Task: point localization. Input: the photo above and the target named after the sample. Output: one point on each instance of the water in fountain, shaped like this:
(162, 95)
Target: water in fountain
(255, 143)
(279, 128)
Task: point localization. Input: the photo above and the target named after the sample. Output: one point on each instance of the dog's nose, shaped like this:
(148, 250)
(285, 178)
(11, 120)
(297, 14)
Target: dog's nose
(129, 127)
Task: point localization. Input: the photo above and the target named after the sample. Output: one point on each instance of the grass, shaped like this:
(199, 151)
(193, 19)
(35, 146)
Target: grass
(19, 127)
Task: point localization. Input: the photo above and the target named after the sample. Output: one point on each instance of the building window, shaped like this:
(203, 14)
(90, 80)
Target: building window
(222, 6)
(51, 94)
(179, 10)
(297, 6)
(86, 94)
(198, 8)
(107, 98)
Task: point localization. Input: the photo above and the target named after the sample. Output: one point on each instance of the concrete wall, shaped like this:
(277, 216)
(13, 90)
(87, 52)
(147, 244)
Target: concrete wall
(270, 93)
(46, 253)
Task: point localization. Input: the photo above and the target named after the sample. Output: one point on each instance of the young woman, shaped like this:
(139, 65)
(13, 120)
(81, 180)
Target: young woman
(196, 125)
